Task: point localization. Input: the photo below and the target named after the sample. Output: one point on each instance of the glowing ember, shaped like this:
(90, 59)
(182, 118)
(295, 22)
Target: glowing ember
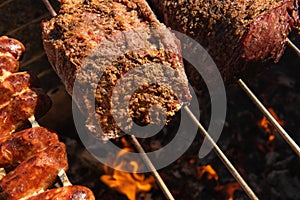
(126, 183)
(208, 171)
(268, 127)
(229, 188)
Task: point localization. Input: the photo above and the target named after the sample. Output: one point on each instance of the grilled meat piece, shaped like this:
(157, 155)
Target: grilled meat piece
(112, 38)
(241, 36)
(15, 112)
(12, 46)
(19, 146)
(8, 62)
(11, 51)
(35, 173)
(13, 84)
(20, 96)
(65, 193)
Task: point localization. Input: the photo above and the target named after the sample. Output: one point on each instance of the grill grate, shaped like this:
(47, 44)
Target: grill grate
(37, 56)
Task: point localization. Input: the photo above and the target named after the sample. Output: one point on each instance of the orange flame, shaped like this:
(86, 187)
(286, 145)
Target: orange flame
(229, 188)
(267, 125)
(126, 183)
(208, 171)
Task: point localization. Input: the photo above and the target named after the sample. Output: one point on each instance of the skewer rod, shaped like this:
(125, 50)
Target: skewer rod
(269, 116)
(61, 174)
(135, 142)
(294, 47)
(64, 178)
(151, 167)
(50, 8)
(33, 122)
(149, 164)
(222, 156)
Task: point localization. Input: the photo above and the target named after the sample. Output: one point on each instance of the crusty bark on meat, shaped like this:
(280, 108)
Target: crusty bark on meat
(19, 146)
(35, 173)
(114, 38)
(66, 193)
(242, 36)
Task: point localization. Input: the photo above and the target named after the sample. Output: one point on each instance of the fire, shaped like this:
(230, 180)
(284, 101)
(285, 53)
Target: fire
(268, 127)
(126, 183)
(229, 188)
(208, 171)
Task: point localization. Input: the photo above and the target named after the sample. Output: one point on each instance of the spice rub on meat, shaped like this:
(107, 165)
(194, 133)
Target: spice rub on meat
(99, 42)
(242, 36)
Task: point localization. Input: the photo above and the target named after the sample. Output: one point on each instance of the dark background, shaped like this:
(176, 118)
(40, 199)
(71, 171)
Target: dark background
(271, 169)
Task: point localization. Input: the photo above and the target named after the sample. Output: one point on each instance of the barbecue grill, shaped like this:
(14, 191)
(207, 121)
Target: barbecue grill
(270, 169)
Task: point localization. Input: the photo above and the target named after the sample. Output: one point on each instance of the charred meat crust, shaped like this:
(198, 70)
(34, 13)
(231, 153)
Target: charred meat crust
(241, 36)
(117, 37)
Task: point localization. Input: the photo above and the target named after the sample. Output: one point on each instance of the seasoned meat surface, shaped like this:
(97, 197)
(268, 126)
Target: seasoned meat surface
(99, 42)
(241, 36)
(20, 96)
(66, 193)
(19, 146)
(12, 46)
(35, 173)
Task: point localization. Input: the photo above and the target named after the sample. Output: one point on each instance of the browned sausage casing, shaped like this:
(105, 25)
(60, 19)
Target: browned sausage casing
(13, 46)
(34, 174)
(23, 144)
(20, 97)
(66, 193)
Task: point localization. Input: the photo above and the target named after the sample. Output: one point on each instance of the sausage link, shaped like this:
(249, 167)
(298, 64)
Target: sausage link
(34, 174)
(24, 144)
(13, 46)
(14, 113)
(8, 62)
(66, 193)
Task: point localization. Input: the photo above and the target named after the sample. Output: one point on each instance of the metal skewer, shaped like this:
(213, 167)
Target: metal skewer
(294, 47)
(50, 8)
(61, 174)
(64, 178)
(134, 141)
(151, 167)
(222, 156)
(269, 116)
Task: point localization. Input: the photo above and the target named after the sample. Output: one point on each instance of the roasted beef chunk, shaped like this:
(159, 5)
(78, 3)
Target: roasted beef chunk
(241, 36)
(100, 42)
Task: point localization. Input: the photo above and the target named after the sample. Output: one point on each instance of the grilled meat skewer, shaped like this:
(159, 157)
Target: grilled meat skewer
(37, 151)
(19, 146)
(12, 46)
(65, 193)
(241, 36)
(20, 96)
(36, 173)
(112, 38)
(11, 51)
